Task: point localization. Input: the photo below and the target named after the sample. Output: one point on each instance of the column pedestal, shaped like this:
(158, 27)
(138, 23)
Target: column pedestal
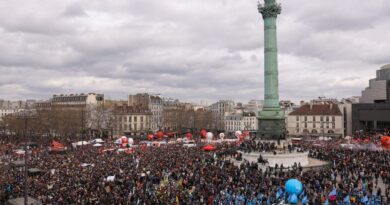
(271, 124)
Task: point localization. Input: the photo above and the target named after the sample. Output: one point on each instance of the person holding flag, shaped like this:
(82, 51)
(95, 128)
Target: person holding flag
(279, 193)
(364, 200)
(347, 200)
(305, 200)
(332, 195)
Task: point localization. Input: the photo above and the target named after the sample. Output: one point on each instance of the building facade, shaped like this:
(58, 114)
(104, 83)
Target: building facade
(378, 90)
(8, 107)
(373, 111)
(79, 100)
(131, 120)
(345, 106)
(220, 110)
(254, 106)
(370, 117)
(152, 102)
(176, 115)
(324, 119)
(245, 121)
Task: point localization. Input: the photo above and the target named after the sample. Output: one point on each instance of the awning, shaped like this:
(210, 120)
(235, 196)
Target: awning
(20, 201)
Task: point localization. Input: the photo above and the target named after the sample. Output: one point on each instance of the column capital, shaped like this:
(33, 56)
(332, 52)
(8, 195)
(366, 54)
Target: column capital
(269, 10)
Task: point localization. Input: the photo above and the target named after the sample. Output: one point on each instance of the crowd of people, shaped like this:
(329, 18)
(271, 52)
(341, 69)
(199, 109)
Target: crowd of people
(257, 146)
(174, 174)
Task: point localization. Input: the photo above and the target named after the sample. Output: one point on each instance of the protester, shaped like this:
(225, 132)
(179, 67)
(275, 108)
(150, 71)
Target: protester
(174, 174)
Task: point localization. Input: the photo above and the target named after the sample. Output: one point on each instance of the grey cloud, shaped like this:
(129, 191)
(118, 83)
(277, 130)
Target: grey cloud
(192, 50)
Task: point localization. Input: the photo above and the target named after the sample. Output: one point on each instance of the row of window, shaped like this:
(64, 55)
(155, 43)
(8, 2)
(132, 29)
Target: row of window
(129, 119)
(130, 127)
(67, 99)
(154, 113)
(321, 118)
(314, 131)
(322, 125)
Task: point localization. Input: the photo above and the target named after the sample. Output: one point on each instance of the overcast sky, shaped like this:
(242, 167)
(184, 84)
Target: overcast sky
(192, 50)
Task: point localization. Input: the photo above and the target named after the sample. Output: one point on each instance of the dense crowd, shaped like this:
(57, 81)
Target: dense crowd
(173, 174)
(257, 146)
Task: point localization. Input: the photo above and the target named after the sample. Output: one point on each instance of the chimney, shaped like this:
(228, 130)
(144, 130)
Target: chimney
(311, 106)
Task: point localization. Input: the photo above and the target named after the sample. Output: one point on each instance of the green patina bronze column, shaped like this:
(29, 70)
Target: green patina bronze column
(271, 118)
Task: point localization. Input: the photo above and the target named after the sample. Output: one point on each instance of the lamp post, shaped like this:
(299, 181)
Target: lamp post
(82, 127)
(26, 116)
(194, 124)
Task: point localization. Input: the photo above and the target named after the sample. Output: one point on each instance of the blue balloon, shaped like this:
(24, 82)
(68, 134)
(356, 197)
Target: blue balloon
(293, 186)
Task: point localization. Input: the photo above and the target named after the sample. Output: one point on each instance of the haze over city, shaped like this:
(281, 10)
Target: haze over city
(197, 50)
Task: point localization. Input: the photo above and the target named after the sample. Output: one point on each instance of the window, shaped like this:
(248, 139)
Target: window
(333, 125)
(322, 118)
(129, 118)
(314, 118)
(297, 125)
(305, 124)
(314, 125)
(305, 118)
(327, 118)
(297, 118)
(333, 118)
(135, 126)
(297, 130)
(322, 125)
(142, 119)
(135, 118)
(327, 125)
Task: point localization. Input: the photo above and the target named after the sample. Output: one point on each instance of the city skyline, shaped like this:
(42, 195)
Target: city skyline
(192, 51)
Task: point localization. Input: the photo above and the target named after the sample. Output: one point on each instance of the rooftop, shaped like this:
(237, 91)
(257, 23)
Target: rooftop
(317, 109)
(387, 66)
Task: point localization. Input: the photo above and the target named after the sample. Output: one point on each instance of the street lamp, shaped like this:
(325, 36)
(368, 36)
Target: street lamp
(26, 115)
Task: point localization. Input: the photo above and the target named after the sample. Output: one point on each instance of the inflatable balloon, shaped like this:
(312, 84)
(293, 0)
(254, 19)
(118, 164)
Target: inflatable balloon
(385, 141)
(293, 186)
(131, 141)
(203, 133)
(189, 136)
(124, 141)
(209, 136)
(150, 137)
(159, 135)
(222, 135)
(237, 134)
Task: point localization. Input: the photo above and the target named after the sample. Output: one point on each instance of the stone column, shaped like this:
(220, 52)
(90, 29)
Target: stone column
(271, 118)
(271, 88)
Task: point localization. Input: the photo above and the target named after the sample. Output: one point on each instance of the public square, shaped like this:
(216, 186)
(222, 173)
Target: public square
(171, 173)
(223, 102)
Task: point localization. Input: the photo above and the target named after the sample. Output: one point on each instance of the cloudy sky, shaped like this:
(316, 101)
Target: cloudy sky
(192, 50)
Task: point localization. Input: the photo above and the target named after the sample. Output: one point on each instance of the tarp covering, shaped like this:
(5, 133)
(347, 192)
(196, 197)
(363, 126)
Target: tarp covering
(34, 170)
(20, 201)
(17, 163)
(97, 145)
(80, 143)
(98, 140)
(57, 146)
(209, 148)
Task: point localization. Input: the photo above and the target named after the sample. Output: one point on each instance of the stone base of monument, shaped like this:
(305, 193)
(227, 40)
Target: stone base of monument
(286, 158)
